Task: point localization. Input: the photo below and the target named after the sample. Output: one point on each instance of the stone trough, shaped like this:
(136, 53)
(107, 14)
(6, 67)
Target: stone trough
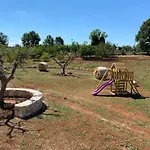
(28, 107)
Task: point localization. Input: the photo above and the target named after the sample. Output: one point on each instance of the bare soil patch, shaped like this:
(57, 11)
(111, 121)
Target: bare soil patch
(4, 114)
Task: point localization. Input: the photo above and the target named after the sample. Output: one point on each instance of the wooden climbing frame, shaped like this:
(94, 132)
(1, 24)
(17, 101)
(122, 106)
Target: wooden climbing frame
(121, 79)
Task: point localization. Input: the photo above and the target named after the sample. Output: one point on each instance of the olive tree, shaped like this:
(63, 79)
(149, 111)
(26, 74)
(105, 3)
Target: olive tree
(10, 60)
(143, 37)
(97, 37)
(30, 39)
(63, 57)
(3, 39)
(48, 40)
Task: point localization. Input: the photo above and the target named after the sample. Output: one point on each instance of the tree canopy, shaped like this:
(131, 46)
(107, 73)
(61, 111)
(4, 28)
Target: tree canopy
(59, 41)
(48, 40)
(30, 39)
(74, 47)
(143, 36)
(3, 39)
(97, 37)
(10, 59)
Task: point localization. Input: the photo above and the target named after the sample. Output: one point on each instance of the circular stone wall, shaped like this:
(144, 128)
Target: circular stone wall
(28, 107)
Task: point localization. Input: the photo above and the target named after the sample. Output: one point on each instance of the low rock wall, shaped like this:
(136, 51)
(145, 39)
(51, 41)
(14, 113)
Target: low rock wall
(28, 107)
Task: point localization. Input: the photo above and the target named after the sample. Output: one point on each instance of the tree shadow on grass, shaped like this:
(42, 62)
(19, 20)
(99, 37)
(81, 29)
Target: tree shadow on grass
(69, 74)
(17, 124)
(7, 119)
(43, 71)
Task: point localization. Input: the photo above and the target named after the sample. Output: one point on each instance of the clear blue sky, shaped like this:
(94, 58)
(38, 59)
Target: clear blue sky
(74, 19)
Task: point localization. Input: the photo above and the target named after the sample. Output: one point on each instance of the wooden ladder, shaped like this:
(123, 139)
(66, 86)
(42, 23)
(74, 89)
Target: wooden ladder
(120, 86)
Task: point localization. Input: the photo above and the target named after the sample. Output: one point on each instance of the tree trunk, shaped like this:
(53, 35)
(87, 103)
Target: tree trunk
(2, 93)
(64, 70)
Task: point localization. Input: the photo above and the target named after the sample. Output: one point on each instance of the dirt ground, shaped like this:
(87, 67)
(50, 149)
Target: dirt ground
(113, 133)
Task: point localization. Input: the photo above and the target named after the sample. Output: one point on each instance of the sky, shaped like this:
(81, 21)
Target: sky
(74, 20)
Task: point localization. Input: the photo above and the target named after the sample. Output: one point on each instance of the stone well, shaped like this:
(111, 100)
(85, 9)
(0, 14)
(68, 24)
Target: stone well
(28, 107)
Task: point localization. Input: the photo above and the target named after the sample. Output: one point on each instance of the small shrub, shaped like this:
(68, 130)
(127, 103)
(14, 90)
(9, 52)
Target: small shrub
(45, 57)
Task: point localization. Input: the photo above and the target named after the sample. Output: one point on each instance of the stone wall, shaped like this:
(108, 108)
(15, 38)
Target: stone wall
(28, 107)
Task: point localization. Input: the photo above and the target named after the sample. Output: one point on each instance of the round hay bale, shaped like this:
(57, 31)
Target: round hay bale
(42, 66)
(100, 71)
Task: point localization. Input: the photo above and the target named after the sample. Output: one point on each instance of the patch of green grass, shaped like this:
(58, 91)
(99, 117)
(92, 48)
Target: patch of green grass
(85, 73)
(84, 64)
(76, 65)
(34, 76)
(56, 111)
(141, 71)
(61, 108)
(91, 65)
(99, 109)
(115, 101)
(141, 105)
(143, 124)
(109, 138)
(22, 144)
(108, 114)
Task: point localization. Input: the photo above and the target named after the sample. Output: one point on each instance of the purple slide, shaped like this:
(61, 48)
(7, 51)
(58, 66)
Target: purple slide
(100, 88)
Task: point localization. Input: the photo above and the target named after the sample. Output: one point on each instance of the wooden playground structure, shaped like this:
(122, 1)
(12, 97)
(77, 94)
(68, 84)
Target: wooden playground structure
(123, 81)
(122, 78)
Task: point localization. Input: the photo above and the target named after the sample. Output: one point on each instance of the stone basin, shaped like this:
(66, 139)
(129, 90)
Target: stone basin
(31, 106)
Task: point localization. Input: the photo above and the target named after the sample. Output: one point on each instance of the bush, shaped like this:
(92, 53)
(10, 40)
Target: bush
(100, 51)
(86, 51)
(36, 52)
(45, 57)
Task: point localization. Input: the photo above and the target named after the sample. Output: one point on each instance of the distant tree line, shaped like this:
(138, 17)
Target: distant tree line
(98, 48)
